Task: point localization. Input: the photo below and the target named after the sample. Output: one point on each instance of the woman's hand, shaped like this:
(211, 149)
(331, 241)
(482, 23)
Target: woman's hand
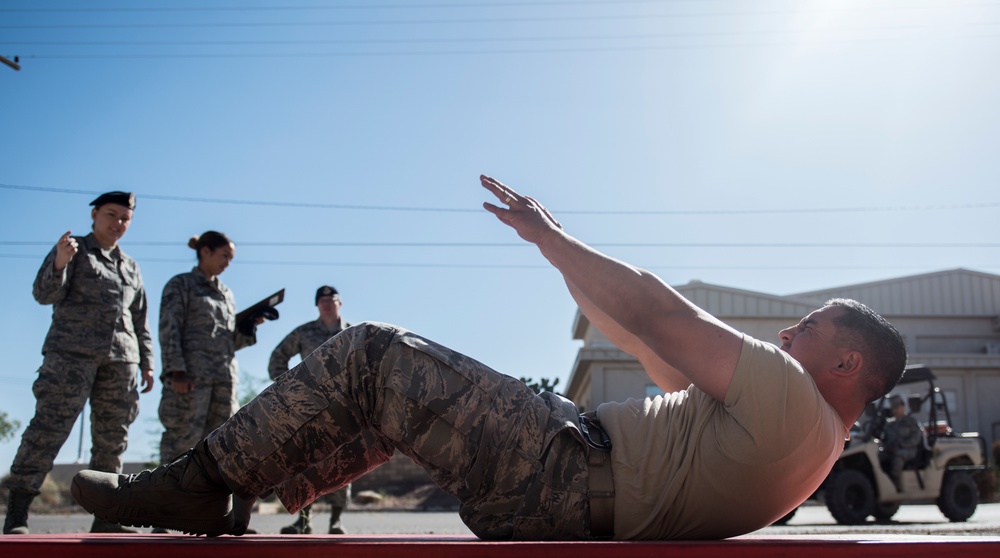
(147, 381)
(66, 248)
(181, 383)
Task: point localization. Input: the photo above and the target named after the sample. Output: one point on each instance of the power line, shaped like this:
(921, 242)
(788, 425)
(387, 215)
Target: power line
(20, 381)
(404, 22)
(232, 201)
(727, 245)
(348, 7)
(342, 7)
(480, 40)
(359, 207)
(345, 23)
(498, 52)
(294, 42)
(430, 265)
(480, 5)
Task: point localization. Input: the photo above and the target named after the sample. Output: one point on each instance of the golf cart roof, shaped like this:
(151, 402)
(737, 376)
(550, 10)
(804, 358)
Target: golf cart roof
(916, 373)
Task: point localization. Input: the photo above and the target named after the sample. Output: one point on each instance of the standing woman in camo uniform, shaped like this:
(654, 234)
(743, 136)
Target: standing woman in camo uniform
(198, 342)
(98, 340)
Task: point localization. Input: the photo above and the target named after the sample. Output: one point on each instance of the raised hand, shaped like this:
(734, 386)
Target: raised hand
(66, 248)
(524, 214)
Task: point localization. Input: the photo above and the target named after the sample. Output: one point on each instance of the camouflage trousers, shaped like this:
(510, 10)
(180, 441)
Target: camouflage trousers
(515, 460)
(188, 418)
(339, 498)
(65, 382)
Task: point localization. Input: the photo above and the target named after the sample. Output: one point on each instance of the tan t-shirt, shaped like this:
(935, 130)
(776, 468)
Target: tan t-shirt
(688, 467)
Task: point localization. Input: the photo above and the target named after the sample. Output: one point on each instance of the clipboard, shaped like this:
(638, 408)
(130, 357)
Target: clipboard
(265, 307)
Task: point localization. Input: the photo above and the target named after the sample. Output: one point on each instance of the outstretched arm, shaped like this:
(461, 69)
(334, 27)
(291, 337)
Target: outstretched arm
(668, 378)
(683, 336)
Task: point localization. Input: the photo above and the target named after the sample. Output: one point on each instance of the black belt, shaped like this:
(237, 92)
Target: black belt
(600, 479)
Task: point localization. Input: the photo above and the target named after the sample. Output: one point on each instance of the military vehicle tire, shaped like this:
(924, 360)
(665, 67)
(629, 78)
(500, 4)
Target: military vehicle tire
(959, 496)
(884, 512)
(850, 496)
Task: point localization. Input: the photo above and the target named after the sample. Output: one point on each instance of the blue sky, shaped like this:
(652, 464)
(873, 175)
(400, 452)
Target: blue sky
(768, 145)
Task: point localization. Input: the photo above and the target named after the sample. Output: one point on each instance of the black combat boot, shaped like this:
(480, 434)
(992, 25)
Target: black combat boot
(18, 502)
(187, 495)
(302, 525)
(336, 528)
(101, 526)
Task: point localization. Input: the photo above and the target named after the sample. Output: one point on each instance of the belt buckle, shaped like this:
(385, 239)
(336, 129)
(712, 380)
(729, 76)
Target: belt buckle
(604, 444)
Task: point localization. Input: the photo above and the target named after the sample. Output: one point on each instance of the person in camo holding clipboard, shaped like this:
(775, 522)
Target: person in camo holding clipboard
(200, 333)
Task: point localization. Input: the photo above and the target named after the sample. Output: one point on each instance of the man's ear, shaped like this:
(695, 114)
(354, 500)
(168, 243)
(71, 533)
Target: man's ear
(850, 363)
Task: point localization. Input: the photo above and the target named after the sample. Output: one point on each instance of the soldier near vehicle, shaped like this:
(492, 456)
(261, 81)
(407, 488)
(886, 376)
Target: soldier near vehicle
(198, 343)
(99, 339)
(903, 437)
(302, 341)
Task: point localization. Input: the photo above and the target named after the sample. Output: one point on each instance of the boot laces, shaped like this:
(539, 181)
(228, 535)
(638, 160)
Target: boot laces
(172, 473)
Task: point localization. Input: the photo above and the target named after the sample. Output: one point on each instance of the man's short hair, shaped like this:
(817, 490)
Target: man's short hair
(861, 328)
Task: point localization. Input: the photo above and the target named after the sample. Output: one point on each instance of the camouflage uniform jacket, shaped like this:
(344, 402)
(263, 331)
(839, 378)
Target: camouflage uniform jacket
(99, 305)
(903, 435)
(301, 341)
(198, 333)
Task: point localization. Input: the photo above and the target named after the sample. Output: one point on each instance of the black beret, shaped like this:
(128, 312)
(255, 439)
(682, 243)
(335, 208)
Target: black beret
(325, 290)
(126, 199)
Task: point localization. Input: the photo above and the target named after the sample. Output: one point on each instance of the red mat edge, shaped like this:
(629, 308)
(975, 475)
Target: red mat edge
(435, 546)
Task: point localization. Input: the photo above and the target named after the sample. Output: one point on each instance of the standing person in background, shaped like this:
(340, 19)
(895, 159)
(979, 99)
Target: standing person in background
(302, 341)
(98, 339)
(198, 341)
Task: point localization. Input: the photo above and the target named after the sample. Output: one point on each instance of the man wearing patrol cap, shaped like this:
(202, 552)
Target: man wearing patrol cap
(98, 339)
(302, 341)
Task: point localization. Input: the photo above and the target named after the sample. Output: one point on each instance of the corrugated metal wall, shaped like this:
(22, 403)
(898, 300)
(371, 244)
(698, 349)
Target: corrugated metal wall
(958, 292)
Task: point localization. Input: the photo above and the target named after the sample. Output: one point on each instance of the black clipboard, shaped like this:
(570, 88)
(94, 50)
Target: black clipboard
(265, 307)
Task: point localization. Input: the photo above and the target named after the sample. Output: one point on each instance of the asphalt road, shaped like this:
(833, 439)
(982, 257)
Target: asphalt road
(809, 520)
(912, 520)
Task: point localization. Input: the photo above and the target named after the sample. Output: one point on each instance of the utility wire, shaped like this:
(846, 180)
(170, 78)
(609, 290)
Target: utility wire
(493, 51)
(430, 265)
(375, 6)
(415, 54)
(346, 7)
(298, 244)
(484, 52)
(294, 42)
(905, 6)
(359, 207)
(399, 22)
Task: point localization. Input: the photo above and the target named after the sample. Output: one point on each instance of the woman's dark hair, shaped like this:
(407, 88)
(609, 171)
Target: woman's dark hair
(212, 240)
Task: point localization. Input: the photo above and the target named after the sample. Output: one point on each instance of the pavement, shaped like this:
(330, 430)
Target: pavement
(911, 521)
